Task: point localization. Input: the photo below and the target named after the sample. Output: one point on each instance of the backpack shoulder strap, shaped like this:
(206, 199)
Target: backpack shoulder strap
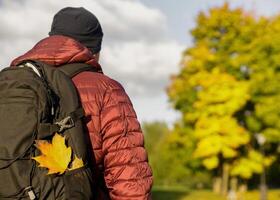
(74, 69)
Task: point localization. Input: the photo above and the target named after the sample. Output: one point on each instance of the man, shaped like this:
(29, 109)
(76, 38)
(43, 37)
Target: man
(121, 170)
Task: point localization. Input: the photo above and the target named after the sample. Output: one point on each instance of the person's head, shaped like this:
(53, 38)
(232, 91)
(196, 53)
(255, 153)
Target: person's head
(81, 25)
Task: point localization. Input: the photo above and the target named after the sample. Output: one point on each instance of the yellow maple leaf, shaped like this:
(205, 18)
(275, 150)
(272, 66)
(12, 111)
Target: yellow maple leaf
(77, 163)
(56, 156)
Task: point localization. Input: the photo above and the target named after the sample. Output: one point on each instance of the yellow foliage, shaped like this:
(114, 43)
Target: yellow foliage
(56, 156)
(219, 135)
(211, 163)
(77, 163)
(220, 92)
(227, 152)
(208, 146)
(217, 131)
(198, 56)
(269, 160)
(253, 163)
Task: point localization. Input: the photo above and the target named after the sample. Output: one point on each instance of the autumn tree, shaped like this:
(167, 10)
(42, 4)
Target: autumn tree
(227, 90)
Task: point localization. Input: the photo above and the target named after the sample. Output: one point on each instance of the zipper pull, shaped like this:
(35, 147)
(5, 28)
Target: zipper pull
(30, 193)
(52, 111)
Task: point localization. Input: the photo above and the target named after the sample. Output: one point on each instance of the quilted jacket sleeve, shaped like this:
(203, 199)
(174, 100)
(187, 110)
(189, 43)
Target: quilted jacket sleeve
(128, 175)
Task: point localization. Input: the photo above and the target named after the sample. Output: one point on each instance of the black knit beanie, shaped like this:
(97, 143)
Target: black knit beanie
(79, 24)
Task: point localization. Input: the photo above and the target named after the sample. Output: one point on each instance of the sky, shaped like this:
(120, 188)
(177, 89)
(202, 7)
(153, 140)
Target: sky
(143, 40)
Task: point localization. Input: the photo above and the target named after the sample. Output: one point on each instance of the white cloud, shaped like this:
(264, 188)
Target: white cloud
(143, 67)
(136, 49)
(130, 20)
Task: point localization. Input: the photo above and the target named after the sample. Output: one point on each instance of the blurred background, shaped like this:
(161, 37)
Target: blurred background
(203, 76)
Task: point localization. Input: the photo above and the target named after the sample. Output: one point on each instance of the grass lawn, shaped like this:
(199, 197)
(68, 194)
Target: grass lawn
(180, 194)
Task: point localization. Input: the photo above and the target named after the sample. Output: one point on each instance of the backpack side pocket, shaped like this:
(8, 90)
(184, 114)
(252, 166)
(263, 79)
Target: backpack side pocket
(77, 184)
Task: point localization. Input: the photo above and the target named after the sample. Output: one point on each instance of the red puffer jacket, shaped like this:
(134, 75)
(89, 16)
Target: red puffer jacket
(116, 136)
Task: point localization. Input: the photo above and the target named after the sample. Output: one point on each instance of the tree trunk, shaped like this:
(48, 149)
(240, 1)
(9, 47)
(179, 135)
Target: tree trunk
(234, 184)
(242, 189)
(225, 178)
(217, 185)
(263, 188)
(232, 194)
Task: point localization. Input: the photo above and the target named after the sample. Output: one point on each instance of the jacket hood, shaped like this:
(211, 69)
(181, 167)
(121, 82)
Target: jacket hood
(58, 50)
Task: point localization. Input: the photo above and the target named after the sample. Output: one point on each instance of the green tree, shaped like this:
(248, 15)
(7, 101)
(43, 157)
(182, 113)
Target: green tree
(154, 132)
(170, 155)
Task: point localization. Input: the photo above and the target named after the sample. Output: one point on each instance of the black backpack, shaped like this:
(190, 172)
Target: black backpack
(36, 102)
